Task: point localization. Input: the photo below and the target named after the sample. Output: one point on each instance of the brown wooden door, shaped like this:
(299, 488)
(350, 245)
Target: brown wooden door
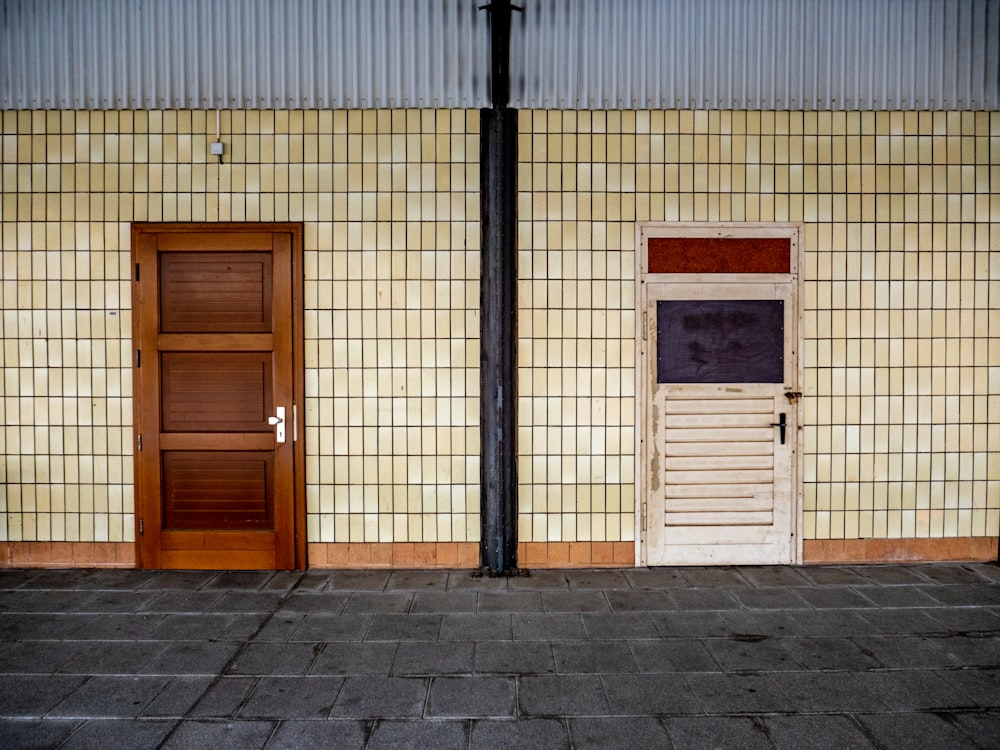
(217, 335)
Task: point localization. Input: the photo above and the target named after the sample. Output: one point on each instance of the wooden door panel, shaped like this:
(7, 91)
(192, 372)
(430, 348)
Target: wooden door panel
(216, 391)
(217, 328)
(218, 490)
(215, 292)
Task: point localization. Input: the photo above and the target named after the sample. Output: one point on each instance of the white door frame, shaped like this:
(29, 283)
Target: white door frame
(644, 325)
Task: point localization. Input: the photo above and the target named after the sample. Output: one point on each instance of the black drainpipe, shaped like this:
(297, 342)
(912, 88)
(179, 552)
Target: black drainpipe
(498, 308)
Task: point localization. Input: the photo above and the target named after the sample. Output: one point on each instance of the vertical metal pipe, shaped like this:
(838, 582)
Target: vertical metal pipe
(498, 308)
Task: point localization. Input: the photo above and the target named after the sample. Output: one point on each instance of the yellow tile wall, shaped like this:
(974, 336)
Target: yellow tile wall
(901, 286)
(390, 204)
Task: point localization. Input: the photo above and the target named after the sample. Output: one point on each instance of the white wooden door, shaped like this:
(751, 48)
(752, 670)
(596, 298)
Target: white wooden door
(720, 422)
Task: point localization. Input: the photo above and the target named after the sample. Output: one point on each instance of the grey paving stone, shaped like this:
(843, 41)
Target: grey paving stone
(35, 734)
(690, 600)
(902, 621)
(649, 695)
(182, 580)
(274, 658)
(280, 627)
(328, 603)
(539, 580)
(223, 698)
(656, 578)
(750, 654)
(381, 697)
(476, 627)
(737, 693)
(688, 624)
(342, 734)
(41, 657)
(355, 659)
(619, 625)
(239, 580)
(417, 580)
(982, 686)
(897, 596)
(645, 600)
(972, 651)
(968, 619)
(38, 627)
(574, 601)
(207, 626)
(119, 733)
(950, 573)
(56, 602)
(510, 601)
(246, 735)
(917, 730)
(514, 657)
(191, 658)
(966, 595)
(433, 658)
(379, 602)
(419, 735)
(114, 579)
(445, 601)
(715, 732)
(31, 696)
(826, 692)
(247, 601)
(404, 628)
(773, 576)
(915, 690)
(715, 576)
(309, 697)
(286, 580)
(183, 601)
(606, 733)
(358, 580)
(471, 697)
(596, 579)
(326, 628)
(833, 622)
(586, 657)
(562, 695)
(773, 623)
(524, 734)
(118, 602)
(829, 653)
(834, 597)
(114, 627)
(891, 575)
(832, 575)
(463, 579)
(769, 597)
(177, 698)
(982, 726)
(901, 651)
(117, 657)
(819, 732)
(674, 655)
(547, 627)
(110, 697)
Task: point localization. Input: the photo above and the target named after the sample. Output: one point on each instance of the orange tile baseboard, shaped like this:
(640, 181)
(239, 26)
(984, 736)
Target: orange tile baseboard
(953, 549)
(400, 555)
(576, 554)
(67, 555)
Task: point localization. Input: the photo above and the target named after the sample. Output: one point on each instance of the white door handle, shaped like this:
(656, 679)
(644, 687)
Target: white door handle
(279, 423)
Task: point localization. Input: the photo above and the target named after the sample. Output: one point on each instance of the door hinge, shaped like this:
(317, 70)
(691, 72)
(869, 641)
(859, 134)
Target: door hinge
(137, 358)
(142, 528)
(136, 271)
(295, 423)
(139, 440)
(644, 517)
(645, 322)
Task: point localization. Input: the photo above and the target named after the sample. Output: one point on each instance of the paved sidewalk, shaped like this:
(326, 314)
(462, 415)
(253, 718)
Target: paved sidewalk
(754, 657)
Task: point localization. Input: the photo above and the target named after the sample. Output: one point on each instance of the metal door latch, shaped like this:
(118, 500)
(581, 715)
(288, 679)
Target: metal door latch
(793, 396)
(278, 422)
(782, 425)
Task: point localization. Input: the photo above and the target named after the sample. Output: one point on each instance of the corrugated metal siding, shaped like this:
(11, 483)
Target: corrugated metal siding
(757, 54)
(573, 54)
(289, 54)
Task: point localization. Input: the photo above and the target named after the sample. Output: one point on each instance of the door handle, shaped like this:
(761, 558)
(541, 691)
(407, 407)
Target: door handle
(278, 422)
(782, 425)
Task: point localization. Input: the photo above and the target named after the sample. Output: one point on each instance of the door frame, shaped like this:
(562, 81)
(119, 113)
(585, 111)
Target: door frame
(794, 232)
(297, 431)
